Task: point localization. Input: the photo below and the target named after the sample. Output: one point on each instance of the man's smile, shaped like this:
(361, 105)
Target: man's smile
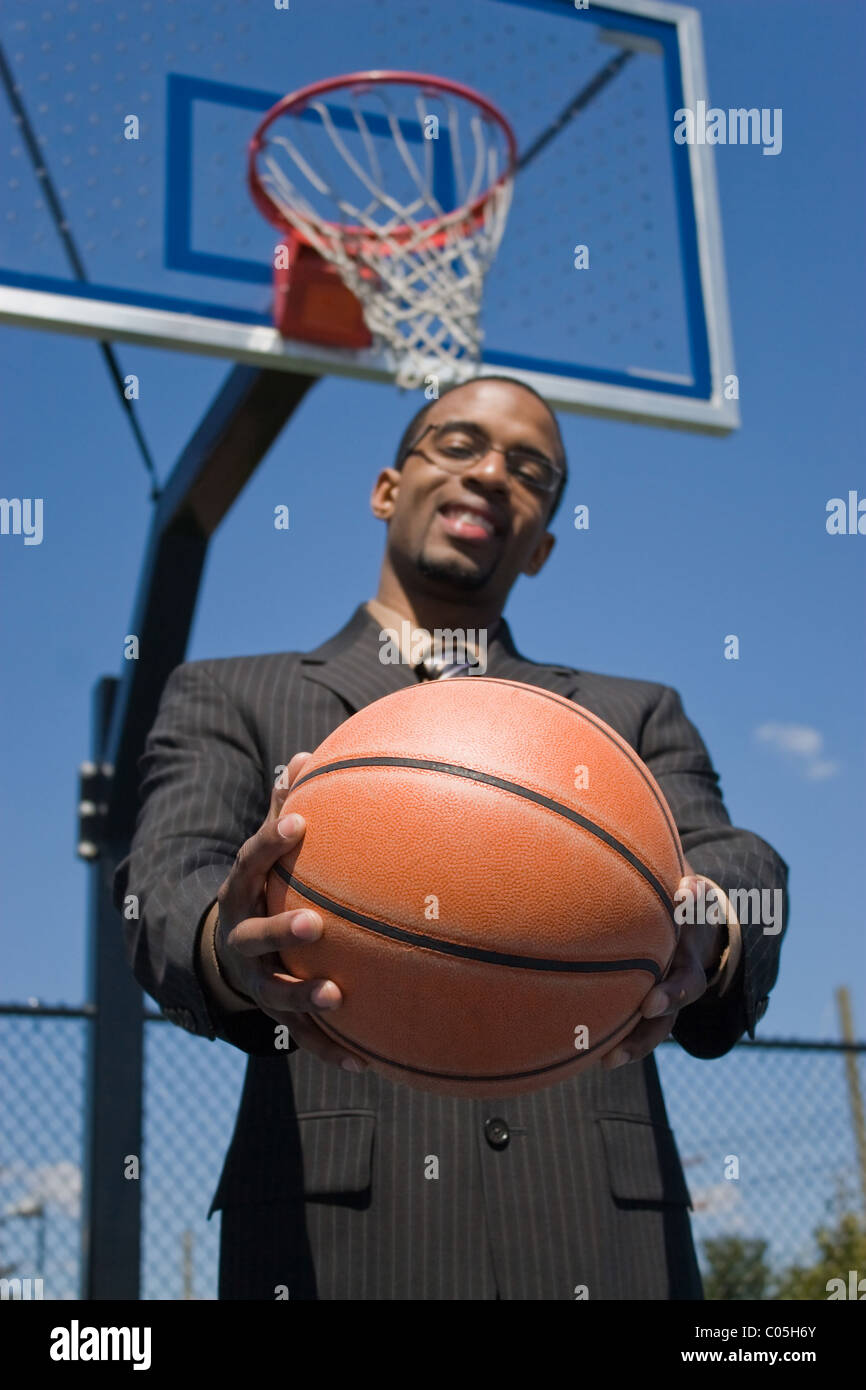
(470, 521)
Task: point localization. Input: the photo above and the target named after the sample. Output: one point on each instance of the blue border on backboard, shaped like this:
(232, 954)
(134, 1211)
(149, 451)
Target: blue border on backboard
(183, 92)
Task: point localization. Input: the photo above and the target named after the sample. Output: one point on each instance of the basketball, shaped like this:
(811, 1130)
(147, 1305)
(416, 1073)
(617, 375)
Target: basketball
(495, 868)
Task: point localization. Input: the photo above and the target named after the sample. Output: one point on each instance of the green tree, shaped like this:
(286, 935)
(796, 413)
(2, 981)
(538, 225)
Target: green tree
(736, 1268)
(841, 1247)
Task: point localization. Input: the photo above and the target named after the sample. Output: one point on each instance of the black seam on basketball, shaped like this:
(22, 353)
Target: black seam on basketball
(453, 948)
(488, 778)
(628, 751)
(478, 1077)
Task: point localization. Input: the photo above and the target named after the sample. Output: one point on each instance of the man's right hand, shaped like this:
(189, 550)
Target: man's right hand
(247, 941)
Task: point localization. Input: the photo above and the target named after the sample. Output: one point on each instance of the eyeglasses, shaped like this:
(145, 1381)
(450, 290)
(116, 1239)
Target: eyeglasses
(455, 447)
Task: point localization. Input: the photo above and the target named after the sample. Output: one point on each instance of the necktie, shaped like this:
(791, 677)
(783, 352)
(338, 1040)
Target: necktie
(437, 668)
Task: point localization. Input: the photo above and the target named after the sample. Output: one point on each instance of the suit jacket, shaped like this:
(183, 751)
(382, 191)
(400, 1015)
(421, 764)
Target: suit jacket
(343, 1186)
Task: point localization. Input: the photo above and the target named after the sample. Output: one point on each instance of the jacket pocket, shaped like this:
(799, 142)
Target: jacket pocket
(330, 1152)
(642, 1161)
(337, 1148)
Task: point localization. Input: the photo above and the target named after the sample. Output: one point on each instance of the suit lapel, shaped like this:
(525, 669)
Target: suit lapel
(348, 664)
(506, 663)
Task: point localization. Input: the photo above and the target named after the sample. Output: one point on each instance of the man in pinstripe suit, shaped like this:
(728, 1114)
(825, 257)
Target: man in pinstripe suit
(572, 1191)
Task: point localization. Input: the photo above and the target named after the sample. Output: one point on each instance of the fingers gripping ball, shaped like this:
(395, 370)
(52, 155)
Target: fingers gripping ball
(495, 870)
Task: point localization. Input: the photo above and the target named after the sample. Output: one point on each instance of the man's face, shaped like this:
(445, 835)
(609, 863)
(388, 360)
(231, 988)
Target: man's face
(476, 530)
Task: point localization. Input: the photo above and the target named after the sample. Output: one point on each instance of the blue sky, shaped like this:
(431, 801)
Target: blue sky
(691, 538)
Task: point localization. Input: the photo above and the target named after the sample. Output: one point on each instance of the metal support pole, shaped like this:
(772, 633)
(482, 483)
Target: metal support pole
(855, 1097)
(111, 1223)
(242, 422)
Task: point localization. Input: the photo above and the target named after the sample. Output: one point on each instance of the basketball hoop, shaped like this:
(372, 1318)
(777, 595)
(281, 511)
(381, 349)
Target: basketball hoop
(420, 181)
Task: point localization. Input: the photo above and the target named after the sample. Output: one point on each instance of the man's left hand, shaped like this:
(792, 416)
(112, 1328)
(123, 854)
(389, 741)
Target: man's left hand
(694, 961)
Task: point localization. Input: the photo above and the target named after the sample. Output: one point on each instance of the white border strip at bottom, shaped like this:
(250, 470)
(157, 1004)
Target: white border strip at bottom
(263, 347)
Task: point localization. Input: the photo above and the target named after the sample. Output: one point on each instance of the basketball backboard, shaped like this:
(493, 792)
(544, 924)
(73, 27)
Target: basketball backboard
(172, 253)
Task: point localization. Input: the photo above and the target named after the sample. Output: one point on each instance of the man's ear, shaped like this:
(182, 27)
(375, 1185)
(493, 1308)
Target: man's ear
(538, 558)
(383, 498)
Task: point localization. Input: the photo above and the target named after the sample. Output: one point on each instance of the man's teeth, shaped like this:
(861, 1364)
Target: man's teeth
(473, 519)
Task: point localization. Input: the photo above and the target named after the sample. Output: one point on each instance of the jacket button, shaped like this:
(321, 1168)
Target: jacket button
(496, 1133)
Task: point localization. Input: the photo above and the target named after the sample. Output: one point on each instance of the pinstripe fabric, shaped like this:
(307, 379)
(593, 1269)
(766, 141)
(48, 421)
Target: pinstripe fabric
(351, 1187)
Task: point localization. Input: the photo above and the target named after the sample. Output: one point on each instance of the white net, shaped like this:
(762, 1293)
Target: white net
(394, 196)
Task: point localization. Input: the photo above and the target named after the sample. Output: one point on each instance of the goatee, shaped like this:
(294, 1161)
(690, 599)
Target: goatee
(452, 573)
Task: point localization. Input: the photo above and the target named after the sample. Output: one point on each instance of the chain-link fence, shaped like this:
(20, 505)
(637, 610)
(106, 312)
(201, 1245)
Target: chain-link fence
(766, 1135)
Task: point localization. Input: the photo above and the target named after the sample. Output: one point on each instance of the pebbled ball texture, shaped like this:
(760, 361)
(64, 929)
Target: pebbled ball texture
(495, 869)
